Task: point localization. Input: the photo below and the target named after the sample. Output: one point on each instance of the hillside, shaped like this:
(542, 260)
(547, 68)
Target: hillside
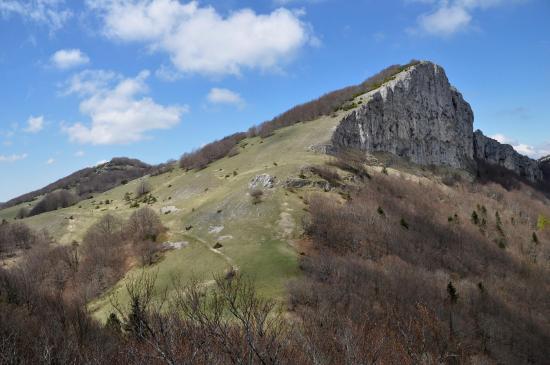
(386, 236)
(97, 179)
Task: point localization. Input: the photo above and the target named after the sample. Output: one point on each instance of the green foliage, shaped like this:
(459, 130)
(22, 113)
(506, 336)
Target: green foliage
(475, 218)
(542, 222)
(113, 324)
(501, 242)
(451, 290)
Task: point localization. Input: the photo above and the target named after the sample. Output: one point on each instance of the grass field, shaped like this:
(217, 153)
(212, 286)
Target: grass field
(256, 239)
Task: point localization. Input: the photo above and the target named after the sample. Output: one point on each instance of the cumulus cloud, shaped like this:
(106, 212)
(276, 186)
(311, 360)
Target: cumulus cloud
(225, 96)
(13, 158)
(448, 17)
(200, 40)
(50, 161)
(34, 124)
(535, 152)
(118, 110)
(69, 58)
(51, 13)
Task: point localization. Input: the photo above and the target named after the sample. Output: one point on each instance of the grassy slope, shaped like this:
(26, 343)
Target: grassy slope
(257, 239)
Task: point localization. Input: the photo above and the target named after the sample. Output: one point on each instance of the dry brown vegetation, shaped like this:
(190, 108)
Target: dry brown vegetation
(402, 273)
(327, 103)
(17, 236)
(324, 105)
(91, 180)
(398, 272)
(202, 157)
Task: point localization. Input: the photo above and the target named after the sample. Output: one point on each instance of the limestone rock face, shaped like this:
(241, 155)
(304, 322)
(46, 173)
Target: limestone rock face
(262, 181)
(495, 153)
(544, 164)
(417, 115)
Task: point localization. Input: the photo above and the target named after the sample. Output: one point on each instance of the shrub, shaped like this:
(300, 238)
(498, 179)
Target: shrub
(327, 174)
(144, 225)
(256, 195)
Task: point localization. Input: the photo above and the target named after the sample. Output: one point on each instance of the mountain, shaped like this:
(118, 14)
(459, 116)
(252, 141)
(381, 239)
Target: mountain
(420, 116)
(361, 216)
(91, 180)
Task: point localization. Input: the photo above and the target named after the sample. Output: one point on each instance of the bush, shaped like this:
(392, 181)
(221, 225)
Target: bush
(144, 225)
(17, 236)
(327, 174)
(256, 195)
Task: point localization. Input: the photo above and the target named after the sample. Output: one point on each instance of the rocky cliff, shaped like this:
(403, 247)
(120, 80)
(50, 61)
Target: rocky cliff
(417, 115)
(495, 153)
(420, 116)
(544, 164)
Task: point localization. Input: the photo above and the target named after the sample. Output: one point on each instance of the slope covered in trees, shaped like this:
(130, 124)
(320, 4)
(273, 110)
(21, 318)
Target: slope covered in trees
(90, 180)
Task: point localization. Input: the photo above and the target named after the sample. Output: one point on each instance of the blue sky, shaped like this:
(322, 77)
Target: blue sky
(84, 81)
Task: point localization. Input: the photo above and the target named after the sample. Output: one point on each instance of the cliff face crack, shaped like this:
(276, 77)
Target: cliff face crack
(420, 116)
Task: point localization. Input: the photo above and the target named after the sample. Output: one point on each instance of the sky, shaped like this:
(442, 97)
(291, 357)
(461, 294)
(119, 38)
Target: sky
(84, 81)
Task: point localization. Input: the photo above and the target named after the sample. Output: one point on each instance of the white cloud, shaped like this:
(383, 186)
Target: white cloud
(169, 74)
(51, 13)
(35, 124)
(118, 112)
(13, 158)
(535, 152)
(200, 40)
(502, 138)
(69, 58)
(79, 153)
(225, 96)
(448, 17)
(101, 162)
(50, 161)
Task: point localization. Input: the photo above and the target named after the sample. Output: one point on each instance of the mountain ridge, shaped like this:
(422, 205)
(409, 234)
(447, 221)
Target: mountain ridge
(89, 180)
(419, 115)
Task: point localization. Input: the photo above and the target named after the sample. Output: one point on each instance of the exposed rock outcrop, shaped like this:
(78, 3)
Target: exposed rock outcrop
(544, 164)
(417, 115)
(262, 181)
(420, 116)
(491, 151)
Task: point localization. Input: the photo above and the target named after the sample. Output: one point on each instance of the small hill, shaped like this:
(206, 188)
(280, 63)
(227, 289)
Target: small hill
(90, 180)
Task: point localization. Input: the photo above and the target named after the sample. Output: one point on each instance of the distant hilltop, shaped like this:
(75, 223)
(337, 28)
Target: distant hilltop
(419, 115)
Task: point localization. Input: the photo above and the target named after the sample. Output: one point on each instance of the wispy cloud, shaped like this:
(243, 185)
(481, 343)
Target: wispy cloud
(34, 124)
(225, 96)
(535, 152)
(50, 161)
(69, 58)
(118, 111)
(448, 17)
(51, 13)
(198, 39)
(13, 158)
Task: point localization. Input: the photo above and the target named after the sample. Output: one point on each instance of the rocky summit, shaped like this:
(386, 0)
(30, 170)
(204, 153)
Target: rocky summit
(420, 116)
